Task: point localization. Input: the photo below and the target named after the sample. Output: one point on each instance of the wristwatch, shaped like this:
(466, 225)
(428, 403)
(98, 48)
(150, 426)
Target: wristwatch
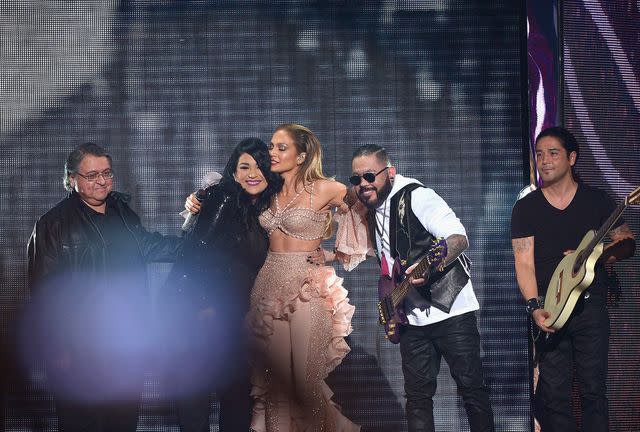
(533, 304)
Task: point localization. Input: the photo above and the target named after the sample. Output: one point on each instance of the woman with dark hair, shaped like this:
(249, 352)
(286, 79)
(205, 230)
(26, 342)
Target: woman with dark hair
(207, 293)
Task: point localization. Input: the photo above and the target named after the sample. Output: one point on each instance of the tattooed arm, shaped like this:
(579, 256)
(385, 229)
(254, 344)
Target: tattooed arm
(525, 268)
(526, 276)
(456, 244)
(623, 245)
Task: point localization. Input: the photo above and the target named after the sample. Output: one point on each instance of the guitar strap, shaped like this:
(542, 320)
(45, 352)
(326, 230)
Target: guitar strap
(371, 221)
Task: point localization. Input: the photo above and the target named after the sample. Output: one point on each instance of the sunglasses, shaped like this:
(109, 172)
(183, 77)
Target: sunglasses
(356, 179)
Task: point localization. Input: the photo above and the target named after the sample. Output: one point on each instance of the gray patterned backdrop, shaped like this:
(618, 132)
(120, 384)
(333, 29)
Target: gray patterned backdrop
(169, 87)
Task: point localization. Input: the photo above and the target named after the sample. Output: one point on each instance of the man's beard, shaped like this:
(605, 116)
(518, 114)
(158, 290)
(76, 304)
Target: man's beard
(380, 197)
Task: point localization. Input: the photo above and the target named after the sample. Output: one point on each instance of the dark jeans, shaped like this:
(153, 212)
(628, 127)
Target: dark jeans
(235, 408)
(211, 363)
(97, 417)
(422, 348)
(77, 391)
(582, 343)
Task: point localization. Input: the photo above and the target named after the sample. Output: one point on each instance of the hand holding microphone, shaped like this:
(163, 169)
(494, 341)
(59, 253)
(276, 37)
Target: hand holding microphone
(193, 201)
(193, 208)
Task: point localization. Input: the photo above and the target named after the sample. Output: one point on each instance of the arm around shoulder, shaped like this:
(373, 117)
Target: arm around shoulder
(154, 247)
(331, 192)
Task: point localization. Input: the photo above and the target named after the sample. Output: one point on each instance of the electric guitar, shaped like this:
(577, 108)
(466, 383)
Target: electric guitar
(393, 289)
(575, 272)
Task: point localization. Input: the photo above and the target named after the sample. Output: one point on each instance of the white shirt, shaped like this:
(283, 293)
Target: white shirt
(436, 217)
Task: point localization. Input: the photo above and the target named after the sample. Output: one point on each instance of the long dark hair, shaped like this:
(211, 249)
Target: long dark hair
(258, 150)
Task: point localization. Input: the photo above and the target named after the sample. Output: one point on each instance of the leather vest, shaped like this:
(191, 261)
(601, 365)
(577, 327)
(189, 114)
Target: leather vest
(409, 241)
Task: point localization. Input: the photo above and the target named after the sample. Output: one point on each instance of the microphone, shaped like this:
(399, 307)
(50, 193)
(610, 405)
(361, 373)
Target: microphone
(211, 178)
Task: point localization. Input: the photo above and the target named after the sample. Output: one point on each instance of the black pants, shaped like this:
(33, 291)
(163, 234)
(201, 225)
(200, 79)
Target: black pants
(235, 408)
(97, 417)
(582, 343)
(422, 348)
(211, 363)
(77, 393)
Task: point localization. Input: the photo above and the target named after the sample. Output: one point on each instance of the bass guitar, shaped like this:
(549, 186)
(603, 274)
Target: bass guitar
(576, 271)
(393, 289)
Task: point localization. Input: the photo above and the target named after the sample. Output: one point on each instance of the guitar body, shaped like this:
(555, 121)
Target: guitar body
(393, 289)
(572, 276)
(576, 271)
(390, 320)
(390, 316)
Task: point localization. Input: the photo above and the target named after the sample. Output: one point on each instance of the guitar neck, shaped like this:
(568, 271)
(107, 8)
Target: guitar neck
(604, 229)
(400, 292)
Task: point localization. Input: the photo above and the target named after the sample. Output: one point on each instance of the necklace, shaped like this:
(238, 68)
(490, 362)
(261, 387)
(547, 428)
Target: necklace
(381, 228)
(289, 203)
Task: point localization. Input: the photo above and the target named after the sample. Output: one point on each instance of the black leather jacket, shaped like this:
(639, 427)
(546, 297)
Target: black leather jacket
(222, 255)
(66, 243)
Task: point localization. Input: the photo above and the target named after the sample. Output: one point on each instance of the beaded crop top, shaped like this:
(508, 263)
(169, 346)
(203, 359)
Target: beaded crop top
(297, 222)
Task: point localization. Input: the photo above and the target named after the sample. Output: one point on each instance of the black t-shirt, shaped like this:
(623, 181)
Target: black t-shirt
(556, 231)
(126, 276)
(122, 251)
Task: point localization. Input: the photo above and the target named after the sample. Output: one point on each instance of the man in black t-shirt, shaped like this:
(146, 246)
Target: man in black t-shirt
(546, 225)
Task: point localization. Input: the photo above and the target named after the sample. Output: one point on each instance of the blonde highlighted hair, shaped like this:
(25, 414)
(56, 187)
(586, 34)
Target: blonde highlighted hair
(311, 168)
(306, 142)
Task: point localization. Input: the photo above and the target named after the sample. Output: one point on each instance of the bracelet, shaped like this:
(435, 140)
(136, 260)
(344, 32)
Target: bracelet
(532, 305)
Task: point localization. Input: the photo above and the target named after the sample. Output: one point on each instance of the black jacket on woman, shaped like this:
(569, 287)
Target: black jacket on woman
(222, 255)
(203, 306)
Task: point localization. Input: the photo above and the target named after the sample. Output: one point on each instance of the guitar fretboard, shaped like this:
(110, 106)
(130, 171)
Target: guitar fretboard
(400, 292)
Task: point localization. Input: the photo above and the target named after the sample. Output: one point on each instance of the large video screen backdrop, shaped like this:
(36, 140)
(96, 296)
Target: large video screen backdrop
(602, 107)
(169, 87)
